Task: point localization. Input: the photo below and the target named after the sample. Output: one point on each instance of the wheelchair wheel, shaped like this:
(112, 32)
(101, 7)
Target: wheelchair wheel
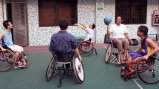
(86, 48)
(78, 70)
(148, 70)
(7, 61)
(108, 53)
(50, 69)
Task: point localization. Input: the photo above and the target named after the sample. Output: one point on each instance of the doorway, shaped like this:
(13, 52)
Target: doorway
(17, 13)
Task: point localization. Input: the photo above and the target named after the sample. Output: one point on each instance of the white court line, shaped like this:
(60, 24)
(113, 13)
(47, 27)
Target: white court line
(133, 79)
(105, 46)
(138, 84)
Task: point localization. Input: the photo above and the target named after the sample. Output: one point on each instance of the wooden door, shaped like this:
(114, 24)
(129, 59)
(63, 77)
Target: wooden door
(19, 19)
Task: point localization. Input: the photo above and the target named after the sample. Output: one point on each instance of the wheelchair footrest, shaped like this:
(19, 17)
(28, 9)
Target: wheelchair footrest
(126, 73)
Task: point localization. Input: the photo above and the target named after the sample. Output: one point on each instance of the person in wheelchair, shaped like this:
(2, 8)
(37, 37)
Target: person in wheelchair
(148, 48)
(89, 31)
(63, 43)
(120, 38)
(1, 47)
(8, 44)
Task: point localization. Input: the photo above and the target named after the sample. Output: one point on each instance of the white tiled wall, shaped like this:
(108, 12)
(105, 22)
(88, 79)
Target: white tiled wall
(89, 11)
(41, 35)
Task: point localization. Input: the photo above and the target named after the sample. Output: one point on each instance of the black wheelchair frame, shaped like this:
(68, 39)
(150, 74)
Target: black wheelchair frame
(62, 69)
(111, 54)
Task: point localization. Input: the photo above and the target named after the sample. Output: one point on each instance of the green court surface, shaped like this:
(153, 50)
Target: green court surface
(98, 75)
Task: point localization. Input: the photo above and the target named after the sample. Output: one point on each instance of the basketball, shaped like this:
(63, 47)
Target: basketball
(107, 20)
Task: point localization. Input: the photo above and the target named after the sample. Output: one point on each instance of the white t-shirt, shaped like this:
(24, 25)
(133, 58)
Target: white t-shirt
(118, 31)
(89, 34)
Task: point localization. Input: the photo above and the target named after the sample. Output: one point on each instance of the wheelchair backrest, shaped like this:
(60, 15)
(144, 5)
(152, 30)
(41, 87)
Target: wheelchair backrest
(64, 57)
(107, 39)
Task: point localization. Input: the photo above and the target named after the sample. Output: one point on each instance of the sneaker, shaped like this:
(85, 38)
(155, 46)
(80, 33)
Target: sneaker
(21, 64)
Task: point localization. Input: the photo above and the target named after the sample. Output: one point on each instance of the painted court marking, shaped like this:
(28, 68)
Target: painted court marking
(137, 84)
(105, 46)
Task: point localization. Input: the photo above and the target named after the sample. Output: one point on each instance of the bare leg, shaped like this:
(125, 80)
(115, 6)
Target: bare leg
(132, 63)
(17, 56)
(120, 56)
(125, 54)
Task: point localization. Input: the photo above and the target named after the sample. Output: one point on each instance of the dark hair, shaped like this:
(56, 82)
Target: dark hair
(63, 24)
(143, 29)
(93, 26)
(6, 23)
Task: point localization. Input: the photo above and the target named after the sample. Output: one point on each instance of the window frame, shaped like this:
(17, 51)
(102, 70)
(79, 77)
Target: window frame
(131, 18)
(70, 15)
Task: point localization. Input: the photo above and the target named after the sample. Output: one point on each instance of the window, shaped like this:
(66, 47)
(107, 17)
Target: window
(132, 11)
(52, 11)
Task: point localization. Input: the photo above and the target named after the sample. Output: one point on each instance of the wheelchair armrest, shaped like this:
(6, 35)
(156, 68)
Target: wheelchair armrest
(135, 42)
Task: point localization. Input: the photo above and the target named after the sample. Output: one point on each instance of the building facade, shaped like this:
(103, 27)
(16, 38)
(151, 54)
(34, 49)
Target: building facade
(88, 11)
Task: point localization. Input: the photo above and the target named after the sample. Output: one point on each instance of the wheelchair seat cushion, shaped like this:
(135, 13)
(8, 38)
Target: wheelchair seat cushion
(64, 57)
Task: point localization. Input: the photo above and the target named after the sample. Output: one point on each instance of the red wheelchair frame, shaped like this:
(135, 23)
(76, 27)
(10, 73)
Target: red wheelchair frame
(146, 70)
(7, 60)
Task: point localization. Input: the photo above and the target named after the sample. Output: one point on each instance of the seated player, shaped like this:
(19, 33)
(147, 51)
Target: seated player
(89, 31)
(120, 38)
(7, 37)
(63, 42)
(147, 49)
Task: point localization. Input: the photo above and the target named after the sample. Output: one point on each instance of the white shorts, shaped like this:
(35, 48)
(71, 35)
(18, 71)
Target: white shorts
(16, 48)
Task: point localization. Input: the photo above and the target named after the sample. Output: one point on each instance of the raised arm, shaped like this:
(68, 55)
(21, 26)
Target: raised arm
(128, 37)
(82, 26)
(108, 30)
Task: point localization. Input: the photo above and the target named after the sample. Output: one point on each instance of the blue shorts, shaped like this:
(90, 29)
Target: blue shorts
(134, 55)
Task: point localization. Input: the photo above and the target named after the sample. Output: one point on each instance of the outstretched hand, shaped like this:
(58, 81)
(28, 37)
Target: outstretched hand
(145, 57)
(3, 49)
(131, 42)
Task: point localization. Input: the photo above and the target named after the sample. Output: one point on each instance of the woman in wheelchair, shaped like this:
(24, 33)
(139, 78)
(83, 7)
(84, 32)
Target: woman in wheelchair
(148, 48)
(120, 38)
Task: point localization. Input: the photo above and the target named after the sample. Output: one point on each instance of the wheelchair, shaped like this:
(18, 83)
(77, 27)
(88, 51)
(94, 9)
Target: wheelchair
(7, 60)
(60, 65)
(111, 54)
(86, 48)
(146, 70)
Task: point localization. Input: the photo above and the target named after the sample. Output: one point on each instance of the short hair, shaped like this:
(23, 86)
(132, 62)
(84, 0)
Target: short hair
(93, 26)
(6, 23)
(143, 29)
(63, 24)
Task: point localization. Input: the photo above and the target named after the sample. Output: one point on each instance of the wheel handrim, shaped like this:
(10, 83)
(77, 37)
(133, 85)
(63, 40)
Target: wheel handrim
(79, 69)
